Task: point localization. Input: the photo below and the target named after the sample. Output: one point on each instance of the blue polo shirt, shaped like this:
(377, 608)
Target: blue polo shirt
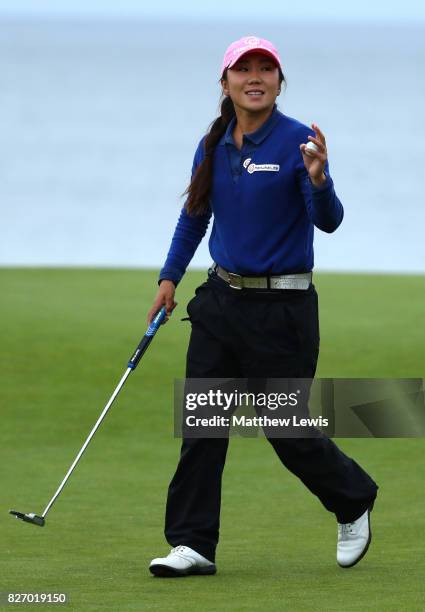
(263, 204)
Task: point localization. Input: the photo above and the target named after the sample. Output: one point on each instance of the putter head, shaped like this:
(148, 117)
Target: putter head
(29, 518)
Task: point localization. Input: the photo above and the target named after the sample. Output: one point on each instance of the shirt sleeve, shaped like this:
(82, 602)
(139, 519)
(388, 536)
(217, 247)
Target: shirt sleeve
(188, 234)
(323, 206)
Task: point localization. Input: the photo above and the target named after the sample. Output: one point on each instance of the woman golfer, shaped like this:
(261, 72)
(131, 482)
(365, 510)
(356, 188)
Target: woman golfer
(266, 187)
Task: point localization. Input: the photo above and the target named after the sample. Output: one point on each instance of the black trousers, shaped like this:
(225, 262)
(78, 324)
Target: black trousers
(259, 334)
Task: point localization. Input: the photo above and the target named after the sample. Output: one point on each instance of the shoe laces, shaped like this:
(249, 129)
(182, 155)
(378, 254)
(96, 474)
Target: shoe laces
(346, 528)
(180, 550)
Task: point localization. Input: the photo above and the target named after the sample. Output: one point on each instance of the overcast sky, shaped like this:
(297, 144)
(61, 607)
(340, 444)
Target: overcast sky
(326, 10)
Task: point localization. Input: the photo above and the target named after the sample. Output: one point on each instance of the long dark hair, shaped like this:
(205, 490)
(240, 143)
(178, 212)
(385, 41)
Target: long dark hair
(199, 188)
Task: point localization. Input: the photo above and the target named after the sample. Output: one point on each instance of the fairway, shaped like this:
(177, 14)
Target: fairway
(67, 335)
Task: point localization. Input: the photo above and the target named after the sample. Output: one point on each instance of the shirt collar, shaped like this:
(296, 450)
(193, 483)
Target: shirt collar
(256, 137)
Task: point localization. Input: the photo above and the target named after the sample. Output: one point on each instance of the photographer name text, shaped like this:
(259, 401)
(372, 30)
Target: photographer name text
(257, 421)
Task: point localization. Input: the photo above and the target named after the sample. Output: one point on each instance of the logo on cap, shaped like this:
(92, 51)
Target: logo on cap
(252, 40)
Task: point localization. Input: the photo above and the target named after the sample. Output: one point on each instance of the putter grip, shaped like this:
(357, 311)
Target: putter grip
(147, 338)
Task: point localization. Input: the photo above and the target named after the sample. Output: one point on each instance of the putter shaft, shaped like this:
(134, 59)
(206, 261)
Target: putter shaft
(86, 443)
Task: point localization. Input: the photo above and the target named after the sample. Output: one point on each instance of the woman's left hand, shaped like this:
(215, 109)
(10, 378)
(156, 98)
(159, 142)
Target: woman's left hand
(314, 161)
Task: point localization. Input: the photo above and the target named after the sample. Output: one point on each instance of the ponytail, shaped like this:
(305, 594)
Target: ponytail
(199, 188)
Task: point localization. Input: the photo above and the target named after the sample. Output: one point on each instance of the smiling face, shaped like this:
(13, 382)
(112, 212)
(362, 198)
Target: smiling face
(252, 83)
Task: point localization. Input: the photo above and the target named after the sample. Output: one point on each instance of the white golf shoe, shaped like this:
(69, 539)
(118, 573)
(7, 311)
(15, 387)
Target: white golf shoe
(181, 561)
(353, 540)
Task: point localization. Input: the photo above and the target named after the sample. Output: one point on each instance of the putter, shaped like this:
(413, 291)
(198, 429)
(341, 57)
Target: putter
(35, 519)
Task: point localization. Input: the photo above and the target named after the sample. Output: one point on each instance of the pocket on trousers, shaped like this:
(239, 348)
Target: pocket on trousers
(193, 305)
(303, 319)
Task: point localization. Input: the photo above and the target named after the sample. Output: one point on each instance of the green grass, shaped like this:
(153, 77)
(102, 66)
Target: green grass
(65, 339)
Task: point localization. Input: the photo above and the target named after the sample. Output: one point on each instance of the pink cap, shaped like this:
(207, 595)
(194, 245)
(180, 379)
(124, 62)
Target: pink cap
(246, 45)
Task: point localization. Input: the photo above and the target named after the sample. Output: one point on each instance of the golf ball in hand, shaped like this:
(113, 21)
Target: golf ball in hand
(310, 146)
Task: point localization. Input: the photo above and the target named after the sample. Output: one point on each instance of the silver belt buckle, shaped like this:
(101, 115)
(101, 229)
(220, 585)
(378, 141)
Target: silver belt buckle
(236, 278)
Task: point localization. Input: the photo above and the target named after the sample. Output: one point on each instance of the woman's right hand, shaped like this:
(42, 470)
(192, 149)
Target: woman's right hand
(164, 297)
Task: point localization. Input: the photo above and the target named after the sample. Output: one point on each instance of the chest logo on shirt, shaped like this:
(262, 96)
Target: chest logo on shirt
(260, 167)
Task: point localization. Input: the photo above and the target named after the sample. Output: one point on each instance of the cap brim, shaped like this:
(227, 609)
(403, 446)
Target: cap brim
(260, 50)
